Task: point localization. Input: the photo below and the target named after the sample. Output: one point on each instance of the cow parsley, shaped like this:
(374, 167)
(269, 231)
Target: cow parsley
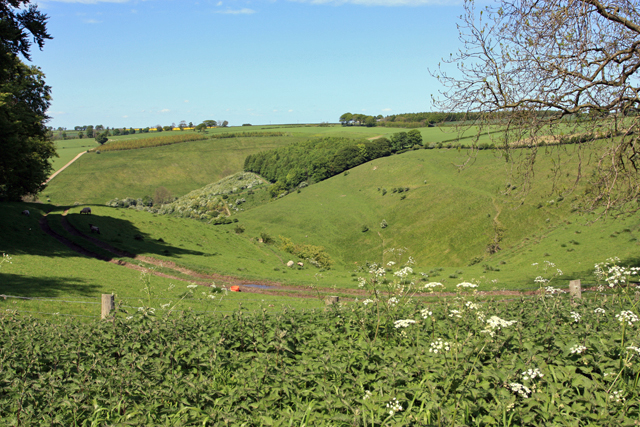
(439, 346)
(403, 323)
(627, 316)
(520, 389)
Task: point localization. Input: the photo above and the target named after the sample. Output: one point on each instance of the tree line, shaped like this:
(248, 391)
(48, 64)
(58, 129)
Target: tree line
(102, 134)
(303, 163)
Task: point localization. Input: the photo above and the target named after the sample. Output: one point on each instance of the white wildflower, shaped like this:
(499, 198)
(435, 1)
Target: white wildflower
(426, 313)
(531, 374)
(362, 282)
(367, 395)
(617, 396)
(404, 272)
(455, 313)
(391, 263)
(367, 301)
(394, 406)
(577, 349)
(599, 311)
(494, 323)
(432, 285)
(636, 349)
(576, 316)
(466, 285)
(471, 306)
(439, 346)
(403, 323)
(192, 286)
(627, 316)
(552, 291)
(522, 390)
(393, 301)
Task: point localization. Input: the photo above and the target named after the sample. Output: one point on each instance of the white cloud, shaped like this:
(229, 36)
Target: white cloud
(243, 11)
(186, 101)
(166, 110)
(92, 21)
(125, 117)
(219, 3)
(386, 109)
(381, 2)
(291, 111)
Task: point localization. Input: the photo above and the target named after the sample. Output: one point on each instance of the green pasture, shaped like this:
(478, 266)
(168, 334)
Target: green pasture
(445, 216)
(68, 149)
(71, 284)
(98, 178)
(446, 220)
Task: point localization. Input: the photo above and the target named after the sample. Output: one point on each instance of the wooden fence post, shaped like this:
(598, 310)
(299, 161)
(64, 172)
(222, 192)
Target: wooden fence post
(108, 304)
(575, 289)
(331, 300)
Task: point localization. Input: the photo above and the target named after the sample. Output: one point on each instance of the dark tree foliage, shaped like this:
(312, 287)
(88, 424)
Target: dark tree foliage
(314, 160)
(20, 22)
(24, 98)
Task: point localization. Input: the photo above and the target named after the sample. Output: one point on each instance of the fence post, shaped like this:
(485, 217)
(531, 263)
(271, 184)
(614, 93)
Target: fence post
(108, 304)
(575, 289)
(331, 300)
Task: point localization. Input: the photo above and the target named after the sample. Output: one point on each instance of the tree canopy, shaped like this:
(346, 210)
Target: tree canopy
(552, 71)
(24, 98)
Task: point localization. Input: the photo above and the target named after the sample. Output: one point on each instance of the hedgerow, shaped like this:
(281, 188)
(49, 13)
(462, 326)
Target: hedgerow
(158, 141)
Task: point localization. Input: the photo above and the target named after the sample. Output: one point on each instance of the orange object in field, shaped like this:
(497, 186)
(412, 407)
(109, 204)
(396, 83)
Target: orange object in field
(235, 289)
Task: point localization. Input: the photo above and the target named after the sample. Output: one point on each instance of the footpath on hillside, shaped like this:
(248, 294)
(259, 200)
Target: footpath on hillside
(64, 167)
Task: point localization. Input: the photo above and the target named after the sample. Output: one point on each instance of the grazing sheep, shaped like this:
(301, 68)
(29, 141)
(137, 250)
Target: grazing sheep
(94, 229)
(26, 212)
(86, 211)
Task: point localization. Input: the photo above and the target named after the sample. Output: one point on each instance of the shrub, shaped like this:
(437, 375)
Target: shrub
(315, 255)
(266, 239)
(383, 224)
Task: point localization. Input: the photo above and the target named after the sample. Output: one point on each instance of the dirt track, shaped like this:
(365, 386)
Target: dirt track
(271, 288)
(267, 287)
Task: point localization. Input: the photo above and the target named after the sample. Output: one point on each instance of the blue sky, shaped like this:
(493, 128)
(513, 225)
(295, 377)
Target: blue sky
(141, 63)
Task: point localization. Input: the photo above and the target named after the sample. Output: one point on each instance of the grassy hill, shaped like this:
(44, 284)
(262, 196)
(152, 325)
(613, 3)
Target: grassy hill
(181, 168)
(445, 217)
